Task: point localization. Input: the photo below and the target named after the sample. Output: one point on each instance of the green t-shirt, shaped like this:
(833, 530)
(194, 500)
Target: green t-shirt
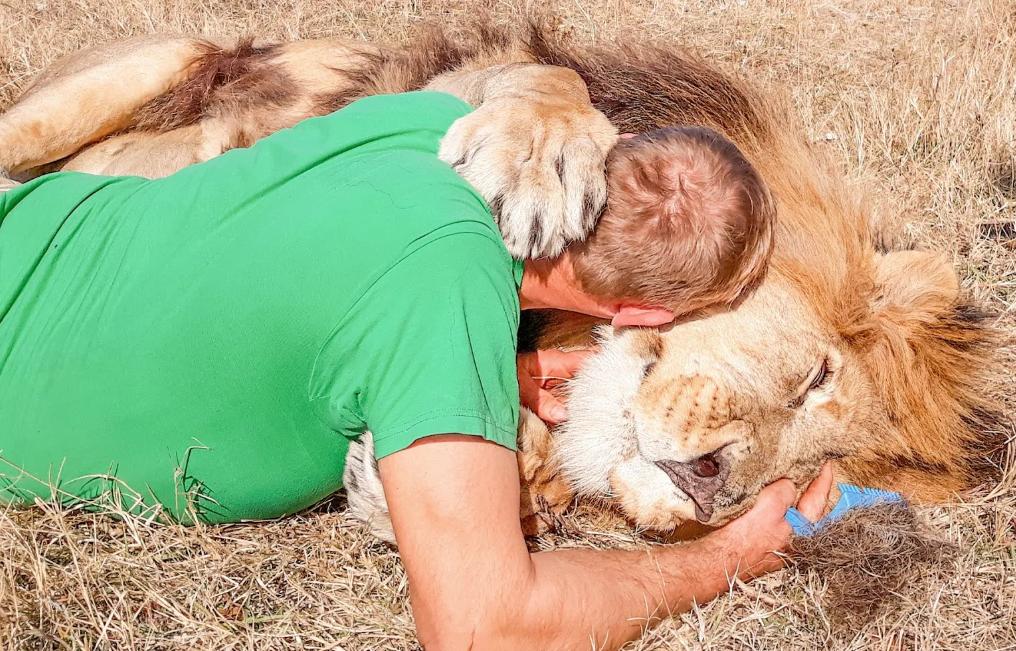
(214, 339)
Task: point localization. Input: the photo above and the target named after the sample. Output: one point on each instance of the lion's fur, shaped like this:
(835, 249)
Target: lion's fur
(236, 79)
(249, 80)
(928, 353)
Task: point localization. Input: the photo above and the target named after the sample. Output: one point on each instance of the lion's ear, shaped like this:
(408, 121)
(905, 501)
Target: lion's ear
(918, 283)
(930, 357)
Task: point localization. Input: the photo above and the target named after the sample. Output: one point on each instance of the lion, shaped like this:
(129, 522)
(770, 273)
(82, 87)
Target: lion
(847, 351)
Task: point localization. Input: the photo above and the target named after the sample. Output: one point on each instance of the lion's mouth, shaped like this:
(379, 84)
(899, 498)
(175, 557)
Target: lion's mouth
(700, 479)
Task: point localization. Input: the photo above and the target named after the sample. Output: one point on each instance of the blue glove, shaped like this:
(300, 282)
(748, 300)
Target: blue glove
(851, 497)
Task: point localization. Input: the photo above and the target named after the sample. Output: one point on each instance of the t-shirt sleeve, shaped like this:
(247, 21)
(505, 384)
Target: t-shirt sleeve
(429, 348)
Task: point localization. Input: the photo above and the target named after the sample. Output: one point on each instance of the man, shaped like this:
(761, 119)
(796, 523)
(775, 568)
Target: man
(207, 344)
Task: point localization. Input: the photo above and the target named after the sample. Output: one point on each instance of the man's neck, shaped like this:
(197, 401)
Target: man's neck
(551, 283)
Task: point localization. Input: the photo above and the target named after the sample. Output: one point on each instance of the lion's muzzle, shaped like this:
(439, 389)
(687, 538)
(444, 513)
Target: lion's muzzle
(700, 479)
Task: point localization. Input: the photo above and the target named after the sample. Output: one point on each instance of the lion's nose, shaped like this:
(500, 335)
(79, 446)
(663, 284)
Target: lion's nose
(700, 479)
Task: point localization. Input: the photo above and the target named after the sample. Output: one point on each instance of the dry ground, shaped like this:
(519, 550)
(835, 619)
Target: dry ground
(917, 100)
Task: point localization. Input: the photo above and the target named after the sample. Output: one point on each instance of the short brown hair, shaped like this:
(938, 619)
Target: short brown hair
(688, 223)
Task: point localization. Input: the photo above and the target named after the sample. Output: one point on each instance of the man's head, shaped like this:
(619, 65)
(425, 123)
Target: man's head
(688, 225)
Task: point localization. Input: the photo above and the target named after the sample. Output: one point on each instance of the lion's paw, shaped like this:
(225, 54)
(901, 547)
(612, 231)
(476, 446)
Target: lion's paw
(545, 495)
(540, 167)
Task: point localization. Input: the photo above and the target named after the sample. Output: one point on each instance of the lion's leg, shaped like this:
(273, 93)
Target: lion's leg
(282, 84)
(544, 498)
(365, 496)
(89, 95)
(151, 154)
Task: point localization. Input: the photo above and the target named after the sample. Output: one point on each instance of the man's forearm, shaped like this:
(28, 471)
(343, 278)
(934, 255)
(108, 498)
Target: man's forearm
(578, 596)
(575, 597)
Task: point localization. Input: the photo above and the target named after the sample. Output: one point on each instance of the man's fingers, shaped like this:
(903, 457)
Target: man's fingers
(529, 390)
(779, 496)
(540, 401)
(550, 409)
(814, 502)
(555, 363)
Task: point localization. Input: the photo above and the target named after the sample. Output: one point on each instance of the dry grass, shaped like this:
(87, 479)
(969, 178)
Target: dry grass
(917, 99)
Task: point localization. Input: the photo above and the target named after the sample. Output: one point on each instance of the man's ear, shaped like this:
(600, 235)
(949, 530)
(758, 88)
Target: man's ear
(916, 282)
(638, 315)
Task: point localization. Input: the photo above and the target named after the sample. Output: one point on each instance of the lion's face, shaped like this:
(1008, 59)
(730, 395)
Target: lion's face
(691, 423)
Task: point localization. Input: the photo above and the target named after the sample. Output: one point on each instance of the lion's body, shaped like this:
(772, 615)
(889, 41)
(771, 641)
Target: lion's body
(903, 405)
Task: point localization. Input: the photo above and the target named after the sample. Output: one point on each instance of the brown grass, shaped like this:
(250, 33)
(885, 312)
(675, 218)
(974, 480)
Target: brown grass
(917, 99)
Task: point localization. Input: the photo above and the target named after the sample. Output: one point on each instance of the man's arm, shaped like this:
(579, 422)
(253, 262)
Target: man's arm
(534, 149)
(473, 584)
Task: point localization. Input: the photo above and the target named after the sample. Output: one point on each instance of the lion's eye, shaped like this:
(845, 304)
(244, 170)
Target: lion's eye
(821, 377)
(818, 378)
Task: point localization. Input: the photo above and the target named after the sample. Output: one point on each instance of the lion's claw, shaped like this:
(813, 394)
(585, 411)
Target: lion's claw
(539, 166)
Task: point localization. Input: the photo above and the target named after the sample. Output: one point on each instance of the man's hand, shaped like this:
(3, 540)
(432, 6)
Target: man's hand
(755, 538)
(540, 373)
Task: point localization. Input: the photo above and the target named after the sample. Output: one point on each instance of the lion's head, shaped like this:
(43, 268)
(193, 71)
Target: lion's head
(844, 352)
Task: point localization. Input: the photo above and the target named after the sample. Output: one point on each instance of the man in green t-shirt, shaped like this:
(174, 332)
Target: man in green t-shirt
(334, 277)
(210, 342)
